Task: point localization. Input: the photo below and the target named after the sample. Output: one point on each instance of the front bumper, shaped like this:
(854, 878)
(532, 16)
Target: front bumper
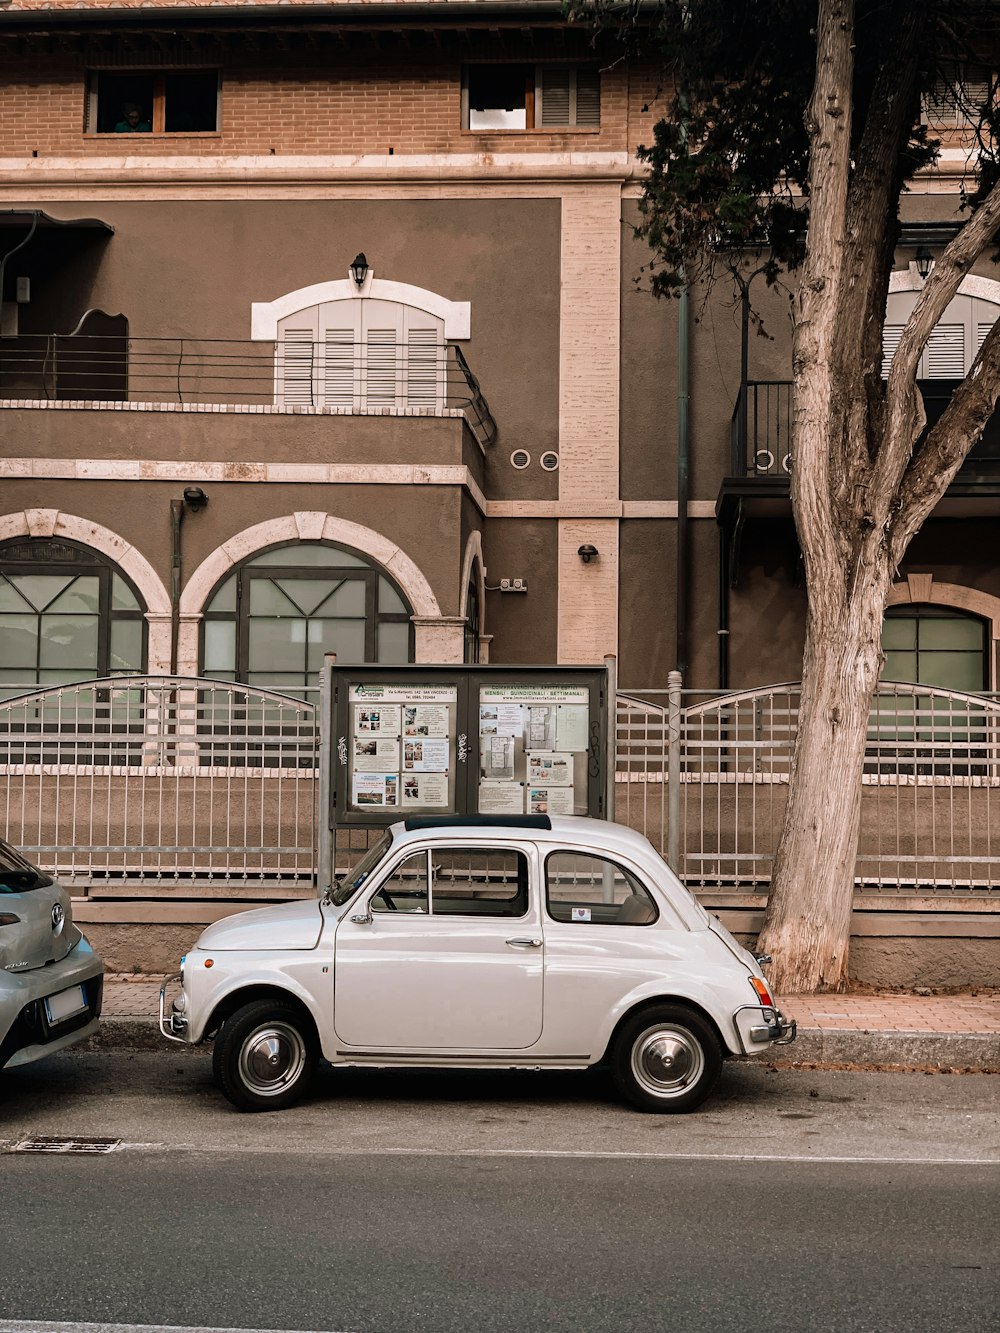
(25, 1032)
(173, 1023)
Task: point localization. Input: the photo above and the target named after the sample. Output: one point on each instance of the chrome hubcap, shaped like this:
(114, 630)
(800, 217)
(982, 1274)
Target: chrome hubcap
(271, 1059)
(666, 1061)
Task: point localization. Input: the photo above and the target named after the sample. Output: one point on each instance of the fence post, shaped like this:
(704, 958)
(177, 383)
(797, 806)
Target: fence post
(674, 681)
(327, 833)
(611, 665)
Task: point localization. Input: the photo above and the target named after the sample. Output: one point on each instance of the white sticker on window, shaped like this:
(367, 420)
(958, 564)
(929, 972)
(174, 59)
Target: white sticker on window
(581, 914)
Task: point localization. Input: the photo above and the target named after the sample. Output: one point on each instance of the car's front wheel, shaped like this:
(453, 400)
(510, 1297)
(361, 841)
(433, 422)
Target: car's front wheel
(666, 1058)
(264, 1056)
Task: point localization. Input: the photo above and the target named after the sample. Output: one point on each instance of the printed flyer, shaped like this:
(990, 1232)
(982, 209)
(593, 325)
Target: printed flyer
(375, 756)
(372, 789)
(497, 754)
(550, 800)
(571, 727)
(426, 756)
(501, 798)
(430, 789)
(425, 720)
(550, 768)
(383, 721)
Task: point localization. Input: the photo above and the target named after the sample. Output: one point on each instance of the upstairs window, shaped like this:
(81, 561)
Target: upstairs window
(531, 97)
(959, 92)
(163, 101)
(361, 355)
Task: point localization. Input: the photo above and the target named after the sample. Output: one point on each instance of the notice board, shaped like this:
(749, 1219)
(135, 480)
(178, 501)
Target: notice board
(463, 740)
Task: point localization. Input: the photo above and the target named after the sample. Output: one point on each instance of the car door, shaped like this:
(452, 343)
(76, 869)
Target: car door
(444, 955)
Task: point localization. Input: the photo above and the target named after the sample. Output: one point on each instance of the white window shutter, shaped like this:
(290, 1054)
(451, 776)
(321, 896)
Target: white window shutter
(982, 330)
(891, 334)
(382, 329)
(340, 364)
(425, 360)
(295, 371)
(944, 355)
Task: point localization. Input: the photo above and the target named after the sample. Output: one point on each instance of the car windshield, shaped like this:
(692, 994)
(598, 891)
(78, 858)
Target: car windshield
(356, 876)
(17, 875)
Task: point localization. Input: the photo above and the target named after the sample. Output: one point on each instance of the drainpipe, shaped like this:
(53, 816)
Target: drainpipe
(176, 519)
(683, 472)
(194, 498)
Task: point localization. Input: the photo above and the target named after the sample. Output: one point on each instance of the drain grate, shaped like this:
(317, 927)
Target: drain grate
(50, 1143)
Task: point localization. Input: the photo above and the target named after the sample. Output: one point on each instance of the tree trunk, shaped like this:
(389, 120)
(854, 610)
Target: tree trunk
(807, 928)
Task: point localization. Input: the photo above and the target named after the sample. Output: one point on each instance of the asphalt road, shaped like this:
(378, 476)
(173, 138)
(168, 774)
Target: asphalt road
(418, 1203)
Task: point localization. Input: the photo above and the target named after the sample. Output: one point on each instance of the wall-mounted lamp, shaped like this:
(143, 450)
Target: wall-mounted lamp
(588, 553)
(195, 498)
(359, 269)
(924, 261)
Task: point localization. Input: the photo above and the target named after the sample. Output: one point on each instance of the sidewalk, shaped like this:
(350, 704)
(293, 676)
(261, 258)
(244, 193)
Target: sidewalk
(913, 1031)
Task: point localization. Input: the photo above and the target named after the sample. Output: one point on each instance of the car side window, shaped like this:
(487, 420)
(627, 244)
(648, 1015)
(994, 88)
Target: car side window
(406, 888)
(586, 889)
(471, 881)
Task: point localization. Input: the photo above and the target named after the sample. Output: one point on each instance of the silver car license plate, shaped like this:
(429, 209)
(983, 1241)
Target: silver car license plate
(65, 1004)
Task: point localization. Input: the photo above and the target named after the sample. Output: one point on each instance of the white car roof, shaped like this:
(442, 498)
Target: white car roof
(579, 829)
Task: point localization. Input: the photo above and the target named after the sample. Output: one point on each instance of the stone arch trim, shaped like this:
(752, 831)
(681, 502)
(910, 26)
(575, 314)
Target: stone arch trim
(909, 280)
(923, 588)
(309, 527)
(266, 315)
(55, 524)
(473, 558)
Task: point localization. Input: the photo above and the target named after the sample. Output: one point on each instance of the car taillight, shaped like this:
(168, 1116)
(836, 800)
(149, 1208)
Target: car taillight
(763, 992)
(9, 919)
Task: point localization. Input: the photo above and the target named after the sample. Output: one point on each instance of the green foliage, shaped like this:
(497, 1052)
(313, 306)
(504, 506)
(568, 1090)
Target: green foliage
(729, 160)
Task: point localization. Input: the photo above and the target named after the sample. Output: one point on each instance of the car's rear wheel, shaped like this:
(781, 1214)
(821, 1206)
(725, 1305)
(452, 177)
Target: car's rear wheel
(666, 1058)
(264, 1056)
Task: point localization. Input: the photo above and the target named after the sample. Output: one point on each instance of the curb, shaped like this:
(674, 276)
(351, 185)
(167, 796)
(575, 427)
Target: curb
(978, 1051)
(943, 1050)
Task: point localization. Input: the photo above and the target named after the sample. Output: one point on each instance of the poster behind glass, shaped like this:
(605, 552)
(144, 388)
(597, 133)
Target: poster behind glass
(401, 748)
(533, 743)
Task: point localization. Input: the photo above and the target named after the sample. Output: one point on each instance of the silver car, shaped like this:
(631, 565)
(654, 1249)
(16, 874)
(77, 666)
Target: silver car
(50, 978)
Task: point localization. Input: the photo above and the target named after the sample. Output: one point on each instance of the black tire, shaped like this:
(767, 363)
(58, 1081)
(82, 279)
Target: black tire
(264, 1056)
(666, 1059)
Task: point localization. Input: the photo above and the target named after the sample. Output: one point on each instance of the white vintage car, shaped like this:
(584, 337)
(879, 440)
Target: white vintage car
(488, 942)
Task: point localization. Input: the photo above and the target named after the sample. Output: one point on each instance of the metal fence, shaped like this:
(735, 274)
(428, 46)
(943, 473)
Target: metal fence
(186, 786)
(706, 779)
(175, 787)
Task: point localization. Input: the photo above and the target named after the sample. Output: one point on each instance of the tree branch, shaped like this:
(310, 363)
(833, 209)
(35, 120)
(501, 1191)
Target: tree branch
(903, 413)
(947, 444)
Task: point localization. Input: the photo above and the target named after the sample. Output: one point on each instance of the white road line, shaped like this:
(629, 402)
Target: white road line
(584, 1153)
(35, 1326)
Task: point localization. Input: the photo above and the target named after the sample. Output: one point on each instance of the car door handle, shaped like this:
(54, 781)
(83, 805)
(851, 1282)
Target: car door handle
(525, 944)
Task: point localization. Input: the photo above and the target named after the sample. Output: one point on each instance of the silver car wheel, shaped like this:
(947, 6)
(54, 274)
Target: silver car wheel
(271, 1059)
(666, 1061)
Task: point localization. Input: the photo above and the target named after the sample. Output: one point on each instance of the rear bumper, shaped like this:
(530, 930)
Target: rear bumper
(758, 1028)
(780, 1032)
(25, 1033)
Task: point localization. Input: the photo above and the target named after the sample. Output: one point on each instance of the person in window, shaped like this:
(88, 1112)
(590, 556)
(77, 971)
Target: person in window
(132, 121)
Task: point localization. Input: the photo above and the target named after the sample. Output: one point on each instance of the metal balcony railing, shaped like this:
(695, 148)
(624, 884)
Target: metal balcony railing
(761, 430)
(349, 377)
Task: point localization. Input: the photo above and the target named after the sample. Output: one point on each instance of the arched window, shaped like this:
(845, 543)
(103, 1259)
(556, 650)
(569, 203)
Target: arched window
(472, 621)
(360, 355)
(270, 621)
(66, 614)
(928, 644)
